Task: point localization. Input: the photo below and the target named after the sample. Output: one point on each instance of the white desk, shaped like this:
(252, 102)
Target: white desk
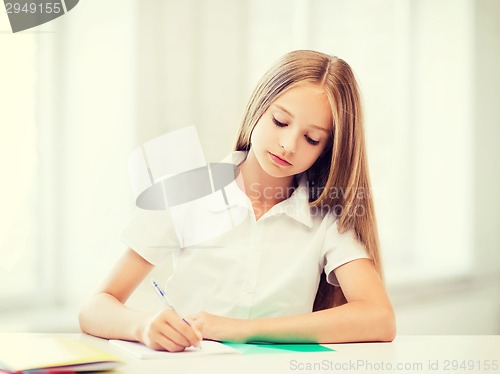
(407, 354)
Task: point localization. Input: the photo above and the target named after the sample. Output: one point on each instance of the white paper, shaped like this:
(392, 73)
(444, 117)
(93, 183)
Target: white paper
(140, 350)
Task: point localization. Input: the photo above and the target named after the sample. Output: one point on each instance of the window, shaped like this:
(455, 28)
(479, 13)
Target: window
(414, 63)
(19, 161)
(28, 161)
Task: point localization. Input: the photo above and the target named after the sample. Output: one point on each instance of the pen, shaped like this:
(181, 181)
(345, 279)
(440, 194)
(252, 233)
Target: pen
(164, 298)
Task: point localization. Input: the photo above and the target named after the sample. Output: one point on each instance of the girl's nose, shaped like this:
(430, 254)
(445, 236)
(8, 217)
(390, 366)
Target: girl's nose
(289, 143)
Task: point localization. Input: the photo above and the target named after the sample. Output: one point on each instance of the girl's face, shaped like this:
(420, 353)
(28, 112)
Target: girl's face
(293, 131)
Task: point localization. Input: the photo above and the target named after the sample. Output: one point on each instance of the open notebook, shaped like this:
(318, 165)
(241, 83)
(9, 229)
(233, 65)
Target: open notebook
(208, 347)
(25, 352)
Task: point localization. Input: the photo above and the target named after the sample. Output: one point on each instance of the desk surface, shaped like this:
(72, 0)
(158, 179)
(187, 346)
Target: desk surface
(406, 354)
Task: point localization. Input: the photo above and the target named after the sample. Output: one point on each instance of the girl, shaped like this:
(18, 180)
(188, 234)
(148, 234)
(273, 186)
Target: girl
(305, 266)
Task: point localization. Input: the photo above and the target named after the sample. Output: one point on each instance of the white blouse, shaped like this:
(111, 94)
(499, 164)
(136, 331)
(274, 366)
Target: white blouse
(265, 268)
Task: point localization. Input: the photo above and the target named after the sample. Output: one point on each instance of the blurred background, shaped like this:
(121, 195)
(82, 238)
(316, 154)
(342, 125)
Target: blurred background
(79, 94)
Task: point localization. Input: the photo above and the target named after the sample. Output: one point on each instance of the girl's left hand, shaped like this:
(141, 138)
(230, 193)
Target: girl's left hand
(220, 328)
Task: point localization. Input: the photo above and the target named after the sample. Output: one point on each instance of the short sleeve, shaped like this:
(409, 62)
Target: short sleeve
(151, 234)
(339, 249)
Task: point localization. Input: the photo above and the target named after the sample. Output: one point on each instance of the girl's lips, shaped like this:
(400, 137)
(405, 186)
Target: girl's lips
(279, 160)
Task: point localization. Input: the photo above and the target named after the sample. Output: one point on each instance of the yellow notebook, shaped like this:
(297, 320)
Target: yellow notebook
(25, 352)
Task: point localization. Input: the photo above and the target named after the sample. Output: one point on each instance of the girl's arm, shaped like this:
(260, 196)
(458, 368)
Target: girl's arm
(367, 316)
(105, 314)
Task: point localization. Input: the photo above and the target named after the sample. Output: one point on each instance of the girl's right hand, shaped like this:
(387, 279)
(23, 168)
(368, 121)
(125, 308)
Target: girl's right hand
(167, 331)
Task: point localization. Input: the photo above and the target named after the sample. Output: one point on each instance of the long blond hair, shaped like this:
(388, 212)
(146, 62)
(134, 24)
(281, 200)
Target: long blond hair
(339, 178)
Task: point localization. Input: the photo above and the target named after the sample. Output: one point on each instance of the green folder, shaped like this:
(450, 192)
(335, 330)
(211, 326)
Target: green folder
(266, 348)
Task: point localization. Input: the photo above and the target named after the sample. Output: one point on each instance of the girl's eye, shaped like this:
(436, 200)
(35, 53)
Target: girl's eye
(311, 141)
(278, 123)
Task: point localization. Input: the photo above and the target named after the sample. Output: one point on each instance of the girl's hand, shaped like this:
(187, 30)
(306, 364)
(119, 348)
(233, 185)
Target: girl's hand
(167, 331)
(220, 328)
